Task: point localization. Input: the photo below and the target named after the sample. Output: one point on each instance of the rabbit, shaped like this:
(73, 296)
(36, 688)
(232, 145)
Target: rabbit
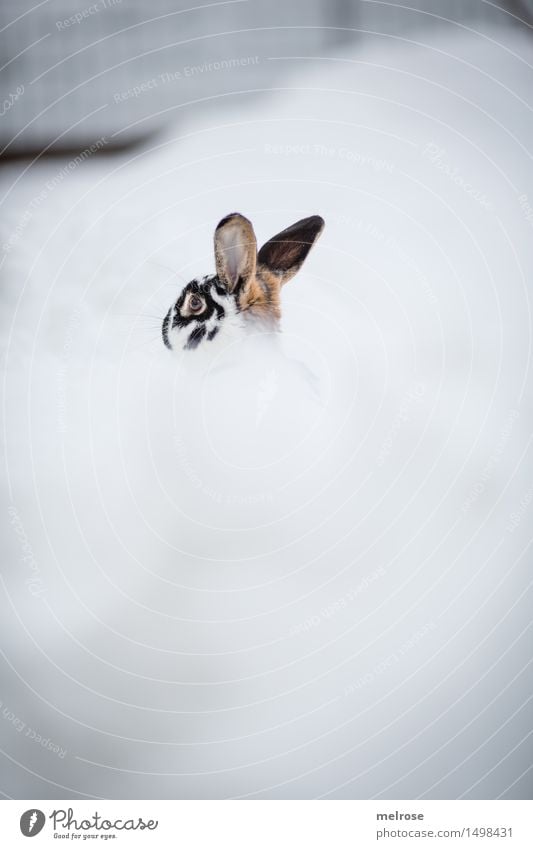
(245, 290)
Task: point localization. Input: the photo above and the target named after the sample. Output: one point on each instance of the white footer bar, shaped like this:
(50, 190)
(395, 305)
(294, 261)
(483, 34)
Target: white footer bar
(269, 824)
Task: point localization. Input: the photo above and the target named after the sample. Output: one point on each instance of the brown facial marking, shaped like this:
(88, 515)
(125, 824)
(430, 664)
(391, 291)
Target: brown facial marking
(261, 297)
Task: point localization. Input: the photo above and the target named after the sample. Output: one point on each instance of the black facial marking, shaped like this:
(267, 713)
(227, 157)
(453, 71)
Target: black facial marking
(202, 288)
(219, 287)
(196, 337)
(220, 311)
(206, 288)
(164, 330)
(237, 289)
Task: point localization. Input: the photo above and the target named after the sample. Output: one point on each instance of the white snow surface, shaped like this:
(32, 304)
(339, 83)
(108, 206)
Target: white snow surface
(300, 567)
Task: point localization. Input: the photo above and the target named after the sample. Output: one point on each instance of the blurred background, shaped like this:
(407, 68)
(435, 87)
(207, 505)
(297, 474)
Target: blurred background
(300, 576)
(125, 68)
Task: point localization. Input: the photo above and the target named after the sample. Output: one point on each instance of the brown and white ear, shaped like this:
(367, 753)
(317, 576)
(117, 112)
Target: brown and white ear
(235, 251)
(285, 252)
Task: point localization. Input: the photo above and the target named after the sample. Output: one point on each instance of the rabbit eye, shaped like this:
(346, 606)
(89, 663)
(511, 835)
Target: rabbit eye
(196, 304)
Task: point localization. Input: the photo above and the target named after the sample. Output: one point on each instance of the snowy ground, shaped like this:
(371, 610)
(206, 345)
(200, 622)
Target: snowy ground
(302, 572)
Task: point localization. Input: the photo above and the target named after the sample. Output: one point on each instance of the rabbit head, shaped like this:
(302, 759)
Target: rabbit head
(245, 290)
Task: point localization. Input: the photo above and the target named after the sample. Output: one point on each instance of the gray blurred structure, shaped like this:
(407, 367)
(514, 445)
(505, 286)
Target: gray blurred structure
(72, 72)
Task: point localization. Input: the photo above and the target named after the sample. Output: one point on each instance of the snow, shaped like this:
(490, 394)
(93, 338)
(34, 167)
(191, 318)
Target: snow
(293, 570)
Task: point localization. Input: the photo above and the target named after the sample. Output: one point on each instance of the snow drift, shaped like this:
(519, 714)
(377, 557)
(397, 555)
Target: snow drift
(299, 569)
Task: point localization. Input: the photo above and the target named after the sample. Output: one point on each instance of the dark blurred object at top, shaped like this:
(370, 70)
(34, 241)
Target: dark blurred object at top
(110, 72)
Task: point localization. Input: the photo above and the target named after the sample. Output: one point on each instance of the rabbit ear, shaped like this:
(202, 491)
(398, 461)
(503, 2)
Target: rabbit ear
(235, 251)
(285, 252)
